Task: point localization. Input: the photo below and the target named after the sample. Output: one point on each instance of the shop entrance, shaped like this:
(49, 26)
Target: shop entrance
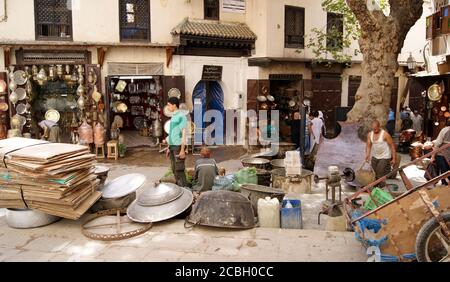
(209, 96)
(136, 106)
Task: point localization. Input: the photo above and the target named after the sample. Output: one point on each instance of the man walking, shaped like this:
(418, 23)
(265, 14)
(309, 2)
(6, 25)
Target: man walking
(177, 142)
(380, 151)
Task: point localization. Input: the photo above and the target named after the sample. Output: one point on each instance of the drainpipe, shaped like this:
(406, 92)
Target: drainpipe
(5, 16)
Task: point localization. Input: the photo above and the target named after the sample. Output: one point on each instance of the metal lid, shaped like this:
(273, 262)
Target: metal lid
(142, 214)
(101, 169)
(122, 186)
(162, 194)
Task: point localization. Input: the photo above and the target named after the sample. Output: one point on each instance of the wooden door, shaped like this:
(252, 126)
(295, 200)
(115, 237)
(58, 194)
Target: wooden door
(327, 89)
(353, 84)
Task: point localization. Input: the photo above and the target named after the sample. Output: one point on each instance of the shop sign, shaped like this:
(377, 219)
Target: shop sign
(212, 73)
(233, 6)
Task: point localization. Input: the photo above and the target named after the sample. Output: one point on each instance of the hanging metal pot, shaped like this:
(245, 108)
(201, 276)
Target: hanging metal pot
(81, 102)
(12, 85)
(42, 77)
(13, 98)
(52, 73)
(59, 71)
(81, 90)
(270, 98)
(434, 93)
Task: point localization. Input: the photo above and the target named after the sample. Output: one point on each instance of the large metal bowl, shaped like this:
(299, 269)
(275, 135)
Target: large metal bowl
(256, 163)
(26, 218)
(223, 209)
(147, 214)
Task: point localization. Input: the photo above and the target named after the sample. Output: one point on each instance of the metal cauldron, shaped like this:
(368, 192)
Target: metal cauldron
(256, 192)
(259, 163)
(223, 209)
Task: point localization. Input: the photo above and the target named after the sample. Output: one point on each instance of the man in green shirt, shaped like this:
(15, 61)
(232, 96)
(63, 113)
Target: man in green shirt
(177, 142)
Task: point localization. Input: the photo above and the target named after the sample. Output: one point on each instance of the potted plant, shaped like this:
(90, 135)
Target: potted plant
(122, 150)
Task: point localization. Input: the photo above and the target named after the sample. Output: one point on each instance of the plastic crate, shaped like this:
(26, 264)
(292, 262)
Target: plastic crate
(381, 197)
(292, 218)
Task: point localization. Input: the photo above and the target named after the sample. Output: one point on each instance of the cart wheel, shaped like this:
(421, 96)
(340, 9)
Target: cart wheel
(431, 243)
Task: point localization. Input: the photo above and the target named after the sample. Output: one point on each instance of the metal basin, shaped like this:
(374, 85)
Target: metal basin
(277, 163)
(223, 209)
(26, 218)
(256, 192)
(256, 163)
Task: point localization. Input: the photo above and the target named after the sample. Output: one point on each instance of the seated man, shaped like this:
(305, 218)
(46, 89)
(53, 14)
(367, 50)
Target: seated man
(205, 172)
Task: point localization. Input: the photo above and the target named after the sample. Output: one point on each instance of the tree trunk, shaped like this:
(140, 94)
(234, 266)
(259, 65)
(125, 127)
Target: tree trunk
(381, 42)
(379, 66)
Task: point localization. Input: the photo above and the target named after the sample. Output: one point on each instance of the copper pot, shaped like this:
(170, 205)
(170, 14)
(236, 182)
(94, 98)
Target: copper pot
(99, 134)
(86, 133)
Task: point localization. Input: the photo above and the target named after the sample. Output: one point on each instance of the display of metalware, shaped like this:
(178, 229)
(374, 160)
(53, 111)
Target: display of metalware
(3, 86)
(223, 209)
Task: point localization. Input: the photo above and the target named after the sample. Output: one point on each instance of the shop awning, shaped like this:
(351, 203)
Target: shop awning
(213, 38)
(215, 29)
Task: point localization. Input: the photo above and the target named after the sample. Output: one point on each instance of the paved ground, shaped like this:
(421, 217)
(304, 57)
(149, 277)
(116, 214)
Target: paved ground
(170, 241)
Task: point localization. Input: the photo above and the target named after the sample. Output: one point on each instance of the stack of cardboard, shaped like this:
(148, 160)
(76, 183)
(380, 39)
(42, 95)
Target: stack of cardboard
(57, 179)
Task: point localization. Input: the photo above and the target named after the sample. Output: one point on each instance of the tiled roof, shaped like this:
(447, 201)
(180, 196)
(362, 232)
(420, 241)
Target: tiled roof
(215, 29)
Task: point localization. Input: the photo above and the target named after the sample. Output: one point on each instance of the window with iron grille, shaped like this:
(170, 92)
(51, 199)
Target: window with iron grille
(212, 9)
(294, 19)
(53, 19)
(134, 20)
(335, 31)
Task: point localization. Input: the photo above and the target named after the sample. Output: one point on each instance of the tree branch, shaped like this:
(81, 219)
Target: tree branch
(406, 12)
(362, 14)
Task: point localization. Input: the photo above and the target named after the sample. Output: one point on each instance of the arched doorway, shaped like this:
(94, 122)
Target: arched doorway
(209, 95)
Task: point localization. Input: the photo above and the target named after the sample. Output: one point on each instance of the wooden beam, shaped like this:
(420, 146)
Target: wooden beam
(101, 53)
(7, 55)
(169, 55)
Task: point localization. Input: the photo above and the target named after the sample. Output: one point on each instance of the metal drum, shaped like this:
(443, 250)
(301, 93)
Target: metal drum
(292, 185)
(256, 163)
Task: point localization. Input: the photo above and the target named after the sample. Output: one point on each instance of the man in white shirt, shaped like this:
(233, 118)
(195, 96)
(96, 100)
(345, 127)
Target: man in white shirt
(315, 130)
(380, 151)
(417, 121)
(442, 157)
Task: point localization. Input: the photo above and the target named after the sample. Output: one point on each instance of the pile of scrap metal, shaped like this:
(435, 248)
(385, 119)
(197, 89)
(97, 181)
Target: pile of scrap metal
(412, 226)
